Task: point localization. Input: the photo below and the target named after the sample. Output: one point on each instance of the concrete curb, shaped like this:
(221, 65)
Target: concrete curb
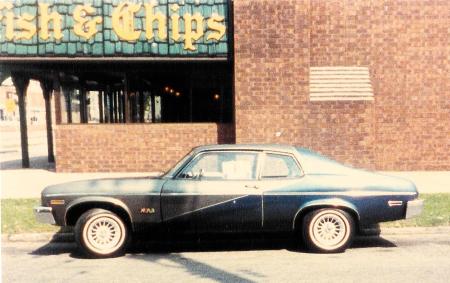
(416, 230)
(69, 237)
(39, 237)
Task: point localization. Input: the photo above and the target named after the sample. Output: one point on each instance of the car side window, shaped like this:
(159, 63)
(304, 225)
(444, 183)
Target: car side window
(280, 166)
(221, 166)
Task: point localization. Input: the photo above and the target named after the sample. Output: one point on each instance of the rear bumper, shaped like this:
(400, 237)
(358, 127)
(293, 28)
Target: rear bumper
(44, 215)
(414, 208)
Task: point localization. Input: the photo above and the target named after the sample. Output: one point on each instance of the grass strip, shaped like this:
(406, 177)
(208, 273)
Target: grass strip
(436, 212)
(17, 215)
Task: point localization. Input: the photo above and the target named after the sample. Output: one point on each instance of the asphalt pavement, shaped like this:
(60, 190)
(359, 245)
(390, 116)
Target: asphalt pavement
(390, 258)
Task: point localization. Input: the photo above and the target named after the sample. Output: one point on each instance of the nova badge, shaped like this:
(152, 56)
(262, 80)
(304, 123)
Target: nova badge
(147, 210)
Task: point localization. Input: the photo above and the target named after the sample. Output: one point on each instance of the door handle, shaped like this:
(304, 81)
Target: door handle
(251, 187)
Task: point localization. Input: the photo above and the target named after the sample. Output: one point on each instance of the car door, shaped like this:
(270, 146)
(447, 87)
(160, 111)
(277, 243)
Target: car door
(215, 192)
(280, 177)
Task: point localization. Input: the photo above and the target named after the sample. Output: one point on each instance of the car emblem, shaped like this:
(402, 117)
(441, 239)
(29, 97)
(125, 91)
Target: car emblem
(147, 210)
(392, 203)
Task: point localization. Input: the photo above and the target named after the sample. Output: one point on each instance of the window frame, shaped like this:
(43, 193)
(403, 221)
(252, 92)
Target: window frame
(263, 161)
(198, 155)
(260, 161)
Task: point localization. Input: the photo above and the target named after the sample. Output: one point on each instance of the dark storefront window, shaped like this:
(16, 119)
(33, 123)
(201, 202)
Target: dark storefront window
(150, 93)
(135, 62)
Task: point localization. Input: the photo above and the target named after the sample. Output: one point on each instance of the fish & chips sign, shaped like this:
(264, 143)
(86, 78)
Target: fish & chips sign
(114, 28)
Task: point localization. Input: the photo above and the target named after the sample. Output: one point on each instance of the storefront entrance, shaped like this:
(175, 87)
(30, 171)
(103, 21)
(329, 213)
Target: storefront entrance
(143, 92)
(122, 62)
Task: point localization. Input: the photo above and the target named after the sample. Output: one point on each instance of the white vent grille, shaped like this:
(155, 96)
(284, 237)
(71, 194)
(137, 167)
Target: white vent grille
(339, 83)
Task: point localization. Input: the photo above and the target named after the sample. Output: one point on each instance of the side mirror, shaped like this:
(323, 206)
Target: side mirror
(200, 174)
(186, 175)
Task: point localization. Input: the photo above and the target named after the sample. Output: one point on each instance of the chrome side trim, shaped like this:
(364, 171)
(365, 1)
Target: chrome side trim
(413, 208)
(102, 194)
(44, 215)
(330, 193)
(248, 192)
(346, 193)
(205, 207)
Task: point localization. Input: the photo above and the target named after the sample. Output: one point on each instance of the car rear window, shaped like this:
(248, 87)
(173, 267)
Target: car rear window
(315, 163)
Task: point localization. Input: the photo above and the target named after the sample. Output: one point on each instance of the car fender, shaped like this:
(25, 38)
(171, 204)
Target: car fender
(329, 202)
(98, 199)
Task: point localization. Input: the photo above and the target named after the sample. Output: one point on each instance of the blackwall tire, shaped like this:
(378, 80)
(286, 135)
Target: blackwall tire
(100, 233)
(327, 230)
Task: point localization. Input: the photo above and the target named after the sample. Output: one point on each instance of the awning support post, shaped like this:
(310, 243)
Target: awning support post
(47, 88)
(21, 84)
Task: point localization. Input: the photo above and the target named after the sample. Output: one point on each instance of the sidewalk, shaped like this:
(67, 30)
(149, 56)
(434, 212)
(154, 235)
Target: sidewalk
(427, 182)
(28, 183)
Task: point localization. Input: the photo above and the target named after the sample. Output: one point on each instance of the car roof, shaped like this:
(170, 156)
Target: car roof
(257, 147)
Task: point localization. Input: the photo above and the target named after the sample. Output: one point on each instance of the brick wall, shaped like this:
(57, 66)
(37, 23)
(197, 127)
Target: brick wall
(404, 43)
(131, 147)
(271, 69)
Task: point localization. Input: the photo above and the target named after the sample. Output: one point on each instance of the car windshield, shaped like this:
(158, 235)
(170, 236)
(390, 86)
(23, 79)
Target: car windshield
(227, 165)
(171, 172)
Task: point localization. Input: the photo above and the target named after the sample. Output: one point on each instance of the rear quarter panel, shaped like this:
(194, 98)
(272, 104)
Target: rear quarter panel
(283, 203)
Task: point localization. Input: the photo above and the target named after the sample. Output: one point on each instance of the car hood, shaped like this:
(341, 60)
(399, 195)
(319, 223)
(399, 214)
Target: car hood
(109, 186)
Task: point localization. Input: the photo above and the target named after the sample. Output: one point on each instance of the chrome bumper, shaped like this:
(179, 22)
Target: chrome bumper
(44, 215)
(414, 208)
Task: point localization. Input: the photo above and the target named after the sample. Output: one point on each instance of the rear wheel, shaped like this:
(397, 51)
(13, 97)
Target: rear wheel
(327, 230)
(101, 233)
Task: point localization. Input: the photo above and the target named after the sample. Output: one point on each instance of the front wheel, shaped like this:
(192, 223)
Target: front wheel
(327, 230)
(101, 233)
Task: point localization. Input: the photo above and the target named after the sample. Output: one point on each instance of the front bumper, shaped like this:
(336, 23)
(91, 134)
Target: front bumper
(413, 208)
(44, 215)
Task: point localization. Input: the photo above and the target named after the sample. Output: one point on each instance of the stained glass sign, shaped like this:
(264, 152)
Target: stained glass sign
(108, 28)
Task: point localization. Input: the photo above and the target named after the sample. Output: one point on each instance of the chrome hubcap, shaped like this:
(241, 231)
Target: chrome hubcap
(104, 234)
(329, 230)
